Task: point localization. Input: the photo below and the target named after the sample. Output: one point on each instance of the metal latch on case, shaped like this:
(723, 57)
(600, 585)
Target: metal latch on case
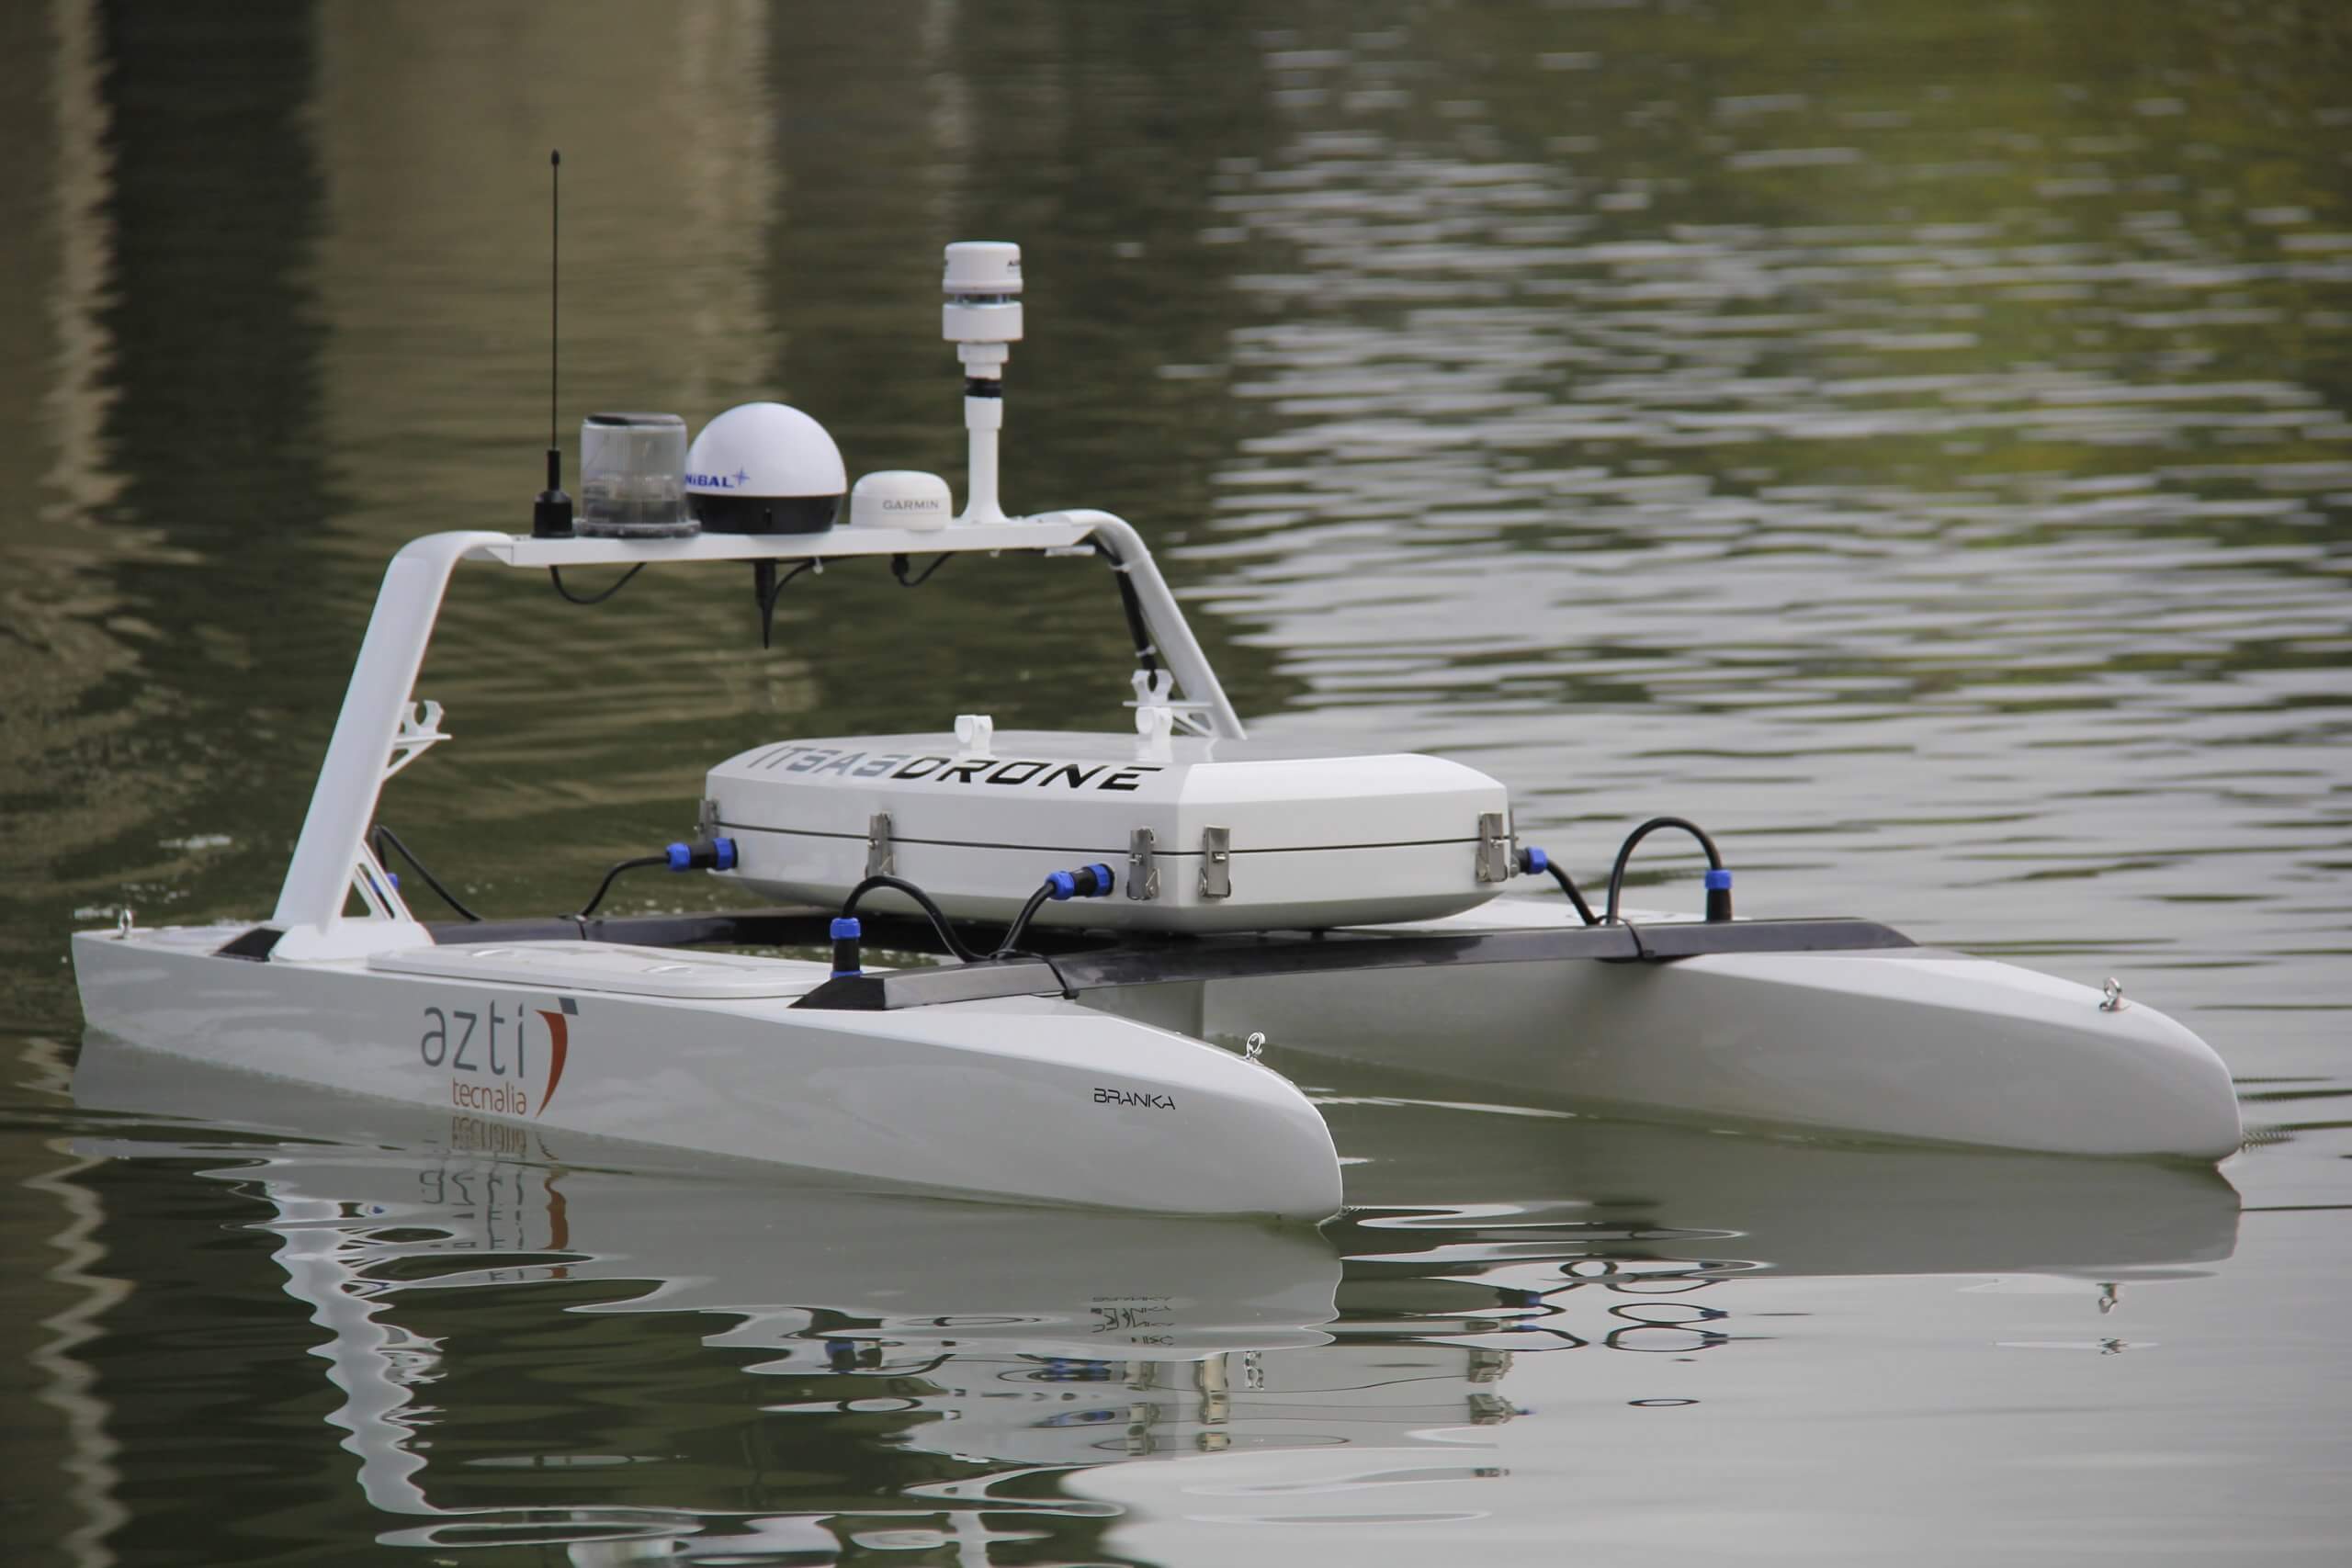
(1143, 871)
(1216, 862)
(1494, 848)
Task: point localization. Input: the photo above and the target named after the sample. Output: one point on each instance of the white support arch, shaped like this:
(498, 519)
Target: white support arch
(382, 729)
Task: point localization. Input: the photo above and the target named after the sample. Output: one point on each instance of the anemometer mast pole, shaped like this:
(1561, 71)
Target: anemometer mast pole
(981, 317)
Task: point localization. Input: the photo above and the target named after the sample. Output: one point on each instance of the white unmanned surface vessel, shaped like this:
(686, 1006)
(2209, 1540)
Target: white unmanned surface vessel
(1154, 904)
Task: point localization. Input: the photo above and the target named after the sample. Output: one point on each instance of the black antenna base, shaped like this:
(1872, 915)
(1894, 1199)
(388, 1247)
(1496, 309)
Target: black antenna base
(551, 514)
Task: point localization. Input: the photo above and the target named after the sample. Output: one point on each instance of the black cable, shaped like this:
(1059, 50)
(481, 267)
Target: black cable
(383, 836)
(939, 923)
(1052, 968)
(899, 565)
(768, 602)
(1568, 885)
(938, 919)
(606, 886)
(1625, 853)
(1146, 654)
(1007, 948)
(571, 598)
(767, 588)
(1068, 990)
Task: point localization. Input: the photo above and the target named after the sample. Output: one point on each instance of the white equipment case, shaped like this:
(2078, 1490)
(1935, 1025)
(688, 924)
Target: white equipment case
(1200, 834)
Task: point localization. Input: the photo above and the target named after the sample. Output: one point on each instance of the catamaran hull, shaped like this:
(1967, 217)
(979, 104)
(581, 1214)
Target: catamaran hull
(1029, 1097)
(979, 1085)
(1907, 1043)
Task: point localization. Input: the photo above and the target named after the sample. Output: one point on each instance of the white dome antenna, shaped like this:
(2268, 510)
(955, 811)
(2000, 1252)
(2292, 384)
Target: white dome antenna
(765, 468)
(982, 318)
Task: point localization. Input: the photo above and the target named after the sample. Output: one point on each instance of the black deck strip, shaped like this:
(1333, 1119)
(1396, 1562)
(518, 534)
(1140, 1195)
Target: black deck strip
(783, 926)
(1336, 952)
(1691, 941)
(984, 981)
(1093, 961)
(255, 946)
(1228, 958)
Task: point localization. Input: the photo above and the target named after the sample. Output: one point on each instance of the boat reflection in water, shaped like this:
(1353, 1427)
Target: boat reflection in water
(546, 1339)
(1575, 1219)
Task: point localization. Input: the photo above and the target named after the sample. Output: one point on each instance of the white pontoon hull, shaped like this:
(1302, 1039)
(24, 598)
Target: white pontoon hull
(1030, 1097)
(1911, 1044)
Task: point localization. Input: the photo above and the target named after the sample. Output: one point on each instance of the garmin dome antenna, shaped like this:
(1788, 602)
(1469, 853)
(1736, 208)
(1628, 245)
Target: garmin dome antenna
(551, 514)
(982, 318)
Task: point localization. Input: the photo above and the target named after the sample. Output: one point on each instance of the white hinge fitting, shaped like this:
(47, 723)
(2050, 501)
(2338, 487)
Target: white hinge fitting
(1154, 727)
(419, 732)
(975, 738)
(1156, 689)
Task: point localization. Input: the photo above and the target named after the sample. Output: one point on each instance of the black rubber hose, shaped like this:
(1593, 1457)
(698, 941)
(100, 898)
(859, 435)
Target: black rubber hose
(1568, 885)
(767, 588)
(555, 575)
(383, 836)
(1008, 948)
(938, 917)
(899, 565)
(1625, 853)
(606, 886)
(1146, 655)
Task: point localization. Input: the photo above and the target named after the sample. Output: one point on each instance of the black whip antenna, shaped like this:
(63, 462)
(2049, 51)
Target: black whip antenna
(551, 515)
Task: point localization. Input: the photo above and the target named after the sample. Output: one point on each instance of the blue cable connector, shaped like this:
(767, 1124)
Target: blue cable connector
(846, 932)
(1086, 882)
(718, 855)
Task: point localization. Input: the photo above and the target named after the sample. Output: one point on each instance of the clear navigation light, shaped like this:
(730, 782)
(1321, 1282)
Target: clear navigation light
(633, 477)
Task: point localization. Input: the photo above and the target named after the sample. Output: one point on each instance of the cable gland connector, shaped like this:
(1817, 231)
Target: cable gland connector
(1718, 895)
(846, 933)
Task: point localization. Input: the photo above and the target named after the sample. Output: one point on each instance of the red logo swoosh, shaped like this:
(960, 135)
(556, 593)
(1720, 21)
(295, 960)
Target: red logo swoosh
(559, 1042)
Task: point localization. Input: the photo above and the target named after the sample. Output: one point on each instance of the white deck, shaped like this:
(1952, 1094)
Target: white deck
(614, 967)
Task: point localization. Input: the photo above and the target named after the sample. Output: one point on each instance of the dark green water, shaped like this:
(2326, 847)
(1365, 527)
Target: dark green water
(1914, 439)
